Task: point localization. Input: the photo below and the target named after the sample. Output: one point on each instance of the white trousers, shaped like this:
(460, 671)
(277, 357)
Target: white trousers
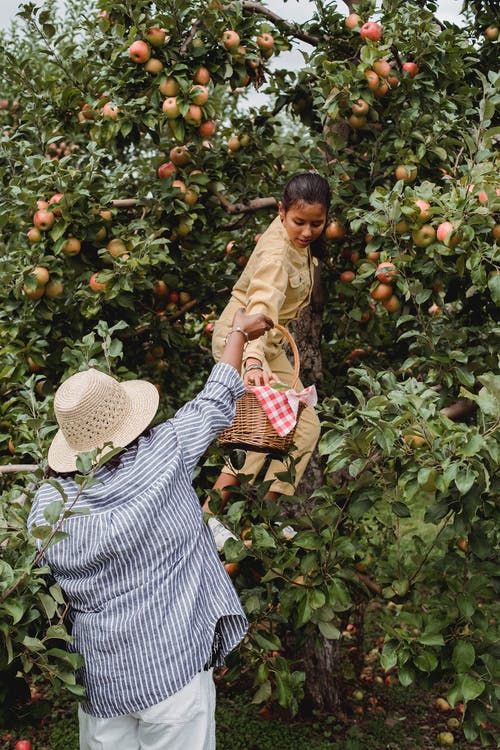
(185, 721)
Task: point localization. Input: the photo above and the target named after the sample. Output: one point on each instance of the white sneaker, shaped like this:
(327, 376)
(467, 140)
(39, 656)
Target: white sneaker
(220, 533)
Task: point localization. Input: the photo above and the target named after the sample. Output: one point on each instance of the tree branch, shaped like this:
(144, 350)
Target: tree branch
(291, 28)
(245, 208)
(460, 409)
(17, 468)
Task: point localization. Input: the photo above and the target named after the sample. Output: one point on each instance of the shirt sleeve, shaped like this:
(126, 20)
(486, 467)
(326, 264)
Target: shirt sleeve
(266, 294)
(198, 422)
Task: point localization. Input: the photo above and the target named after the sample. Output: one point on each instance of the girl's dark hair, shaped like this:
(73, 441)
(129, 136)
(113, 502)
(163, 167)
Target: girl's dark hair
(309, 187)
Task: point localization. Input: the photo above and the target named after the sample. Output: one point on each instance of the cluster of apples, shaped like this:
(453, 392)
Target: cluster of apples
(56, 151)
(189, 104)
(40, 284)
(140, 51)
(381, 77)
(232, 42)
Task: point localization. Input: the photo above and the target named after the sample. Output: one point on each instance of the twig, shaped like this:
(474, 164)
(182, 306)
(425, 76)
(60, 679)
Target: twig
(124, 202)
(17, 468)
(164, 318)
(370, 584)
(192, 33)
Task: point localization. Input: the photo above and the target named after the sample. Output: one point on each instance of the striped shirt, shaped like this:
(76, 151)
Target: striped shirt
(150, 600)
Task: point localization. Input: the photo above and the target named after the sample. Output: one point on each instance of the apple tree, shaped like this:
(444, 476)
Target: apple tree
(135, 177)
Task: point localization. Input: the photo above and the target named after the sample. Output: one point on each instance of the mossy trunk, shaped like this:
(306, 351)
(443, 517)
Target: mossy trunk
(321, 662)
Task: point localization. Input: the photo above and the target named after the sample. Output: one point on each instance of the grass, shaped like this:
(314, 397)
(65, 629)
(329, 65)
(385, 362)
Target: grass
(389, 718)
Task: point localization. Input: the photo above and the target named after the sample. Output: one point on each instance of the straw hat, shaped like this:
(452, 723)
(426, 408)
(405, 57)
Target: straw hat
(92, 409)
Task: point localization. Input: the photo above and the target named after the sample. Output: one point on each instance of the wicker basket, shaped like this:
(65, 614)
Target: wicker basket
(251, 429)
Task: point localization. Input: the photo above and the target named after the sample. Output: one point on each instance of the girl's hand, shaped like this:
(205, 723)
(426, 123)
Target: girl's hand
(253, 325)
(254, 373)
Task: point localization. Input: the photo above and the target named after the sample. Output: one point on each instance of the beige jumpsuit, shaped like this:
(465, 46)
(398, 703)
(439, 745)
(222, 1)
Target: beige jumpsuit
(277, 281)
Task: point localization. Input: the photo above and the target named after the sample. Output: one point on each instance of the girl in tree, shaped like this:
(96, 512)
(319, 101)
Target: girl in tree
(277, 281)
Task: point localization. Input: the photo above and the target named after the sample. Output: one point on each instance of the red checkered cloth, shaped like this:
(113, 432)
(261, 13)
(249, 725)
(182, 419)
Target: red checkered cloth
(281, 407)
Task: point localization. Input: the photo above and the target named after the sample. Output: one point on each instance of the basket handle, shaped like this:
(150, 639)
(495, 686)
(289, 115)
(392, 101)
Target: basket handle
(296, 359)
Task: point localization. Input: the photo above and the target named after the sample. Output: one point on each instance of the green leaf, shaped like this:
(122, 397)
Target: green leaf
(431, 639)
(494, 287)
(406, 675)
(464, 480)
(464, 656)
(263, 693)
(269, 642)
(329, 631)
(14, 609)
(471, 688)
(400, 509)
(53, 511)
(308, 540)
(33, 644)
(466, 605)
(426, 661)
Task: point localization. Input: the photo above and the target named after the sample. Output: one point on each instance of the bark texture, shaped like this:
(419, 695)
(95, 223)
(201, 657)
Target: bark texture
(321, 661)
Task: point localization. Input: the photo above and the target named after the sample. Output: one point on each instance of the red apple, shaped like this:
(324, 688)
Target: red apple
(347, 277)
(54, 289)
(191, 196)
(265, 41)
(444, 231)
(424, 236)
(116, 247)
(179, 155)
(491, 33)
(234, 143)
(155, 36)
(372, 79)
(167, 169)
(230, 39)
(171, 107)
(194, 115)
(407, 174)
(180, 185)
(139, 51)
(160, 288)
(71, 247)
(392, 304)
(169, 87)
(371, 30)
(95, 285)
(382, 292)
(199, 94)
(353, 21)
(34, 235)
(207, 129)
(335, 230)
(153, 65)
(411, 68)
(22, 745)
(360, 107)
(357, 121)
(56, 199)
(202, 75)
(43, 220)
(110, 111)
(382, 68)
(386, 272)
(423, 207)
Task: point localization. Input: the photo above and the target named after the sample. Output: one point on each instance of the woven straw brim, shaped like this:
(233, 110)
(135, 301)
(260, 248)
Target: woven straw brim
(144, 399)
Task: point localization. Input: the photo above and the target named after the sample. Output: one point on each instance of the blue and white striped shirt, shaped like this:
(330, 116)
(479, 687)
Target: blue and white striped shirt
(141, 573)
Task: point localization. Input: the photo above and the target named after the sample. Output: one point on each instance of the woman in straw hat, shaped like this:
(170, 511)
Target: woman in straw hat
(152, 608)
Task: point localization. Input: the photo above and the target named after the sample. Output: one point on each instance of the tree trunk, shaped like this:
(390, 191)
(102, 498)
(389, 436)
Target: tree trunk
(321, 661)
